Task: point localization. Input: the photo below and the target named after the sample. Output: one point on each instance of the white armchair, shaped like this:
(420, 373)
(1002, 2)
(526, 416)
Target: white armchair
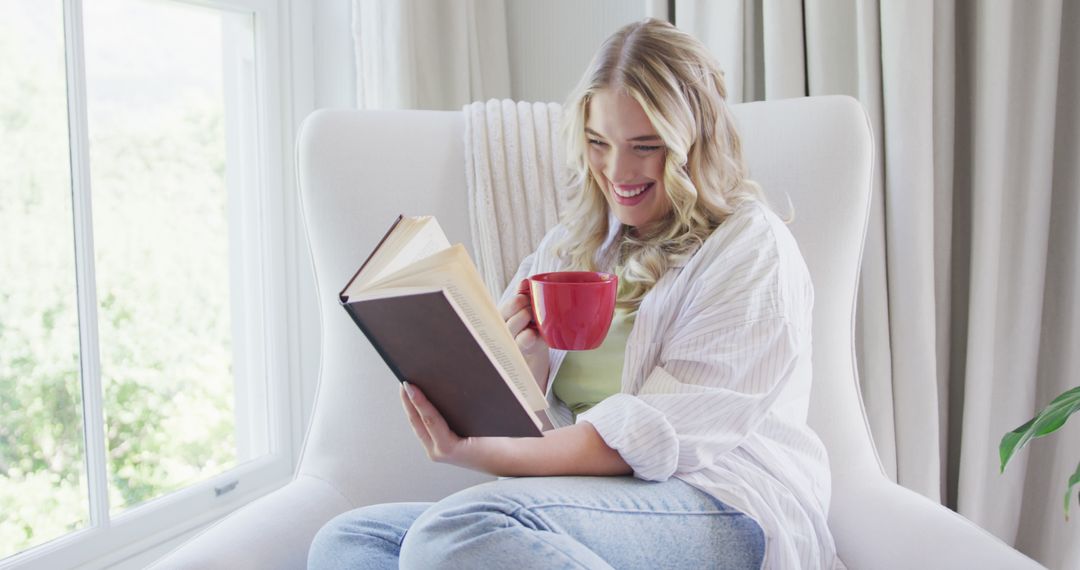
(359, 169)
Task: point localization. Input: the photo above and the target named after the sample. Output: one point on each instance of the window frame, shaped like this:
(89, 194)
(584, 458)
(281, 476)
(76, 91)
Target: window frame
(109, 539)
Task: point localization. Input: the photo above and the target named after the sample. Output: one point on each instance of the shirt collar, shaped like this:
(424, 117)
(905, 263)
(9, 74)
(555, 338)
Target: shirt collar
(605, 256)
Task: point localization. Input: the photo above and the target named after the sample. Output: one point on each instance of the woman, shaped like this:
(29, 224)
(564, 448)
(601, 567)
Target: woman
(699, 391)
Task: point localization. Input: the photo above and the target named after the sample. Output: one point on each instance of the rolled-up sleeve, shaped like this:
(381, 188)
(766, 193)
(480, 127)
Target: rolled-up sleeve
(641, 434)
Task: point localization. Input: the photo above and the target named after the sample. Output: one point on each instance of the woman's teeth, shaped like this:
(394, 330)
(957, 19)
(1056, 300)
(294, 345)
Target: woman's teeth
(631, 191)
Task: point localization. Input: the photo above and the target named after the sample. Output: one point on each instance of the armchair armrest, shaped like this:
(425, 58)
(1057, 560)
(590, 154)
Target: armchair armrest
(275, 531)
(881, 525)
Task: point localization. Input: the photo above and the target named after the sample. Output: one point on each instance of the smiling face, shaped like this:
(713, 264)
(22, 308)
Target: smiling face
(626, 157)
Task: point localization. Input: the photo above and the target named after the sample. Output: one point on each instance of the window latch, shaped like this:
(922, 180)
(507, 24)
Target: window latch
(219, 491)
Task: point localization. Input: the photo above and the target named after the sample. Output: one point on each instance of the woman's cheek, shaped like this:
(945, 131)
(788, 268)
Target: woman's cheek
(598, 176)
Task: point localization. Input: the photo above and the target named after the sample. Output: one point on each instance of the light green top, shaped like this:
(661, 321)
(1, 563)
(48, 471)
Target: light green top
(588, 376)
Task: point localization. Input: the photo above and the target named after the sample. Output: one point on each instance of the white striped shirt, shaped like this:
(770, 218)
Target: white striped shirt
(716, 383)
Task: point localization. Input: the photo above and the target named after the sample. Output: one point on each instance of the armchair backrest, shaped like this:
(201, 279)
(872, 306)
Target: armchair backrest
(818, 152)
(360, 169)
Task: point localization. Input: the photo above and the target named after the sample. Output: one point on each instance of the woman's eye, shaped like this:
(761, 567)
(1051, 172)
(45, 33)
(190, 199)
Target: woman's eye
(645, 148)
(596, 142)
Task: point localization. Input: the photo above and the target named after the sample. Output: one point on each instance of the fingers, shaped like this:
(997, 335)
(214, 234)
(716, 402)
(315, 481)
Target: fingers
(527, 339)
(415, 420)
(428, 423)
(512, 306)
(519, 321)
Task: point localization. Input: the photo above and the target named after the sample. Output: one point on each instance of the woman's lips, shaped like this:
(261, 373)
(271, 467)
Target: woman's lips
(630, 194)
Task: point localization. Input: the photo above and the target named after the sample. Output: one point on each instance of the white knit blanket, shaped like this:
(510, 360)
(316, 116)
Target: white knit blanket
(515, 173)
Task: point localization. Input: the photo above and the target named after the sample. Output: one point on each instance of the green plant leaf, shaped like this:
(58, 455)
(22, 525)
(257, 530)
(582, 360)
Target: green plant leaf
(1013, 441)
(1047, 421)
(1056, 412)
(1073, 481)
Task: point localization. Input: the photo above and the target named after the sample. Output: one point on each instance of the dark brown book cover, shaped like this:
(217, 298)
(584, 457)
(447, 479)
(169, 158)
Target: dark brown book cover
(424, 342)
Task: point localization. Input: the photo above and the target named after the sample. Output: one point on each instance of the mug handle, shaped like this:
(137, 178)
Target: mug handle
(525, 289)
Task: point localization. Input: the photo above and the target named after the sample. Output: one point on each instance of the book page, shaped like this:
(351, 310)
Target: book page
(414, 239)
(453, 270)
(424, 237)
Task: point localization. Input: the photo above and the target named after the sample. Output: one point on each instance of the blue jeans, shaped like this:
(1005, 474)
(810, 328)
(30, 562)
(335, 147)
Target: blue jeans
(547, 522)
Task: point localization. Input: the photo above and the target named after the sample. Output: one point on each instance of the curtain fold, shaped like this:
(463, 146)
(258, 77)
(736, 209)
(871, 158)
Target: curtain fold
(725, 28)
(782, 48)
(1014, 116)
(1059, 369)
(969, 306)
(907, 123)
(418, 54)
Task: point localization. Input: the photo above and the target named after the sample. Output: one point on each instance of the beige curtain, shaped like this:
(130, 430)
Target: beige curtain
(969, 311)
(420, 54)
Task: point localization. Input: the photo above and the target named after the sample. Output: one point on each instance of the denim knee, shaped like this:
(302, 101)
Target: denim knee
(441, 536)
(327, 543)
(743, 544)
(365, 533)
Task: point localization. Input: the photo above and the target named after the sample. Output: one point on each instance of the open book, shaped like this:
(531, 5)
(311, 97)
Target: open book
(422, 304)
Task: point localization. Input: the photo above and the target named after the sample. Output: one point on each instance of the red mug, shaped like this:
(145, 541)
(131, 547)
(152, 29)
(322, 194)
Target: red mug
(571, 310)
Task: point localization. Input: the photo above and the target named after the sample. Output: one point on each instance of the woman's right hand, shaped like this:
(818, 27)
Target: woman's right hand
(518, 314)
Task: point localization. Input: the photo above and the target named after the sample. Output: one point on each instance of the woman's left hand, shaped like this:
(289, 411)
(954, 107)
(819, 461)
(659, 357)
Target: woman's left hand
(569, 450)
(442, 444)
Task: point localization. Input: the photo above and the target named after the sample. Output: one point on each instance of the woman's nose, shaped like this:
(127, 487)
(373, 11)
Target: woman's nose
(622, 167)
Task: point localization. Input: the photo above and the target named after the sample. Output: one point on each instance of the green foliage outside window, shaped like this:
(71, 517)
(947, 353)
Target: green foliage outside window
(165, 338)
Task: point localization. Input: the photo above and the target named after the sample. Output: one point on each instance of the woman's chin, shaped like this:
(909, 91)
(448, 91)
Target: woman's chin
(636, 223)
(640, 223)
(632, 216)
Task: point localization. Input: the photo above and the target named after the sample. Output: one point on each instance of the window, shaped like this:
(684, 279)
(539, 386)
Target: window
(143, 354)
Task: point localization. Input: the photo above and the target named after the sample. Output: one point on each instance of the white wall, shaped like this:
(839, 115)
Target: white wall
(551, 42)
(334, 65)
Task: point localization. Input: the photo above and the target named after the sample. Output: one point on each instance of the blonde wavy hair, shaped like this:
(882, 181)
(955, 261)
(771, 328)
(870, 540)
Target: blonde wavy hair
(681, 89)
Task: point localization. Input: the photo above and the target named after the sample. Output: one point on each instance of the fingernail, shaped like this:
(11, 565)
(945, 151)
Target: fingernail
(408, 390)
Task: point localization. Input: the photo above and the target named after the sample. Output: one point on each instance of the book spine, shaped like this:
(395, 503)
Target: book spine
(344, 298)
(371, 338)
